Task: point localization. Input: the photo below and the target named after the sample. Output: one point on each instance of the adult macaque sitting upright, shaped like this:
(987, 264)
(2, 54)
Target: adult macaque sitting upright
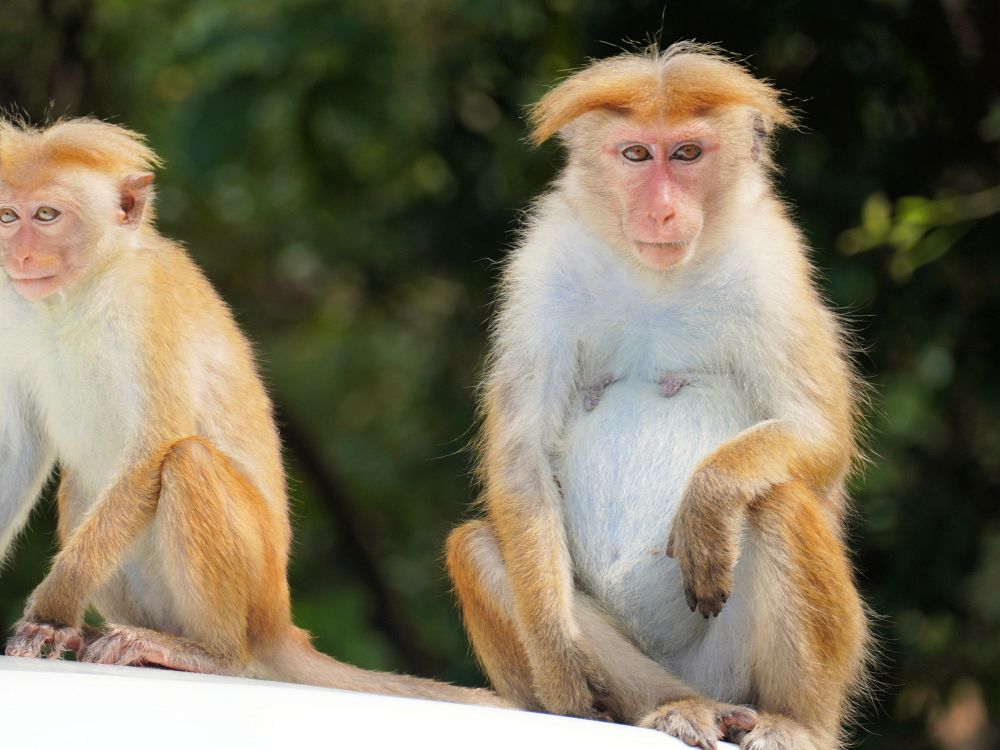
(668, 424)
(120, 362)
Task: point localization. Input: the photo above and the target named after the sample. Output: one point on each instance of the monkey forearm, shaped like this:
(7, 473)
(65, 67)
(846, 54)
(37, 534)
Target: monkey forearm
(96, 548)
(767, 454)
(533, 547)
(705, 533)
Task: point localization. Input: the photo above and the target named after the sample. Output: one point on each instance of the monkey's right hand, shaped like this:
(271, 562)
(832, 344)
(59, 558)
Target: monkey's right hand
(571, 685)
(36, 638)
(705, 541)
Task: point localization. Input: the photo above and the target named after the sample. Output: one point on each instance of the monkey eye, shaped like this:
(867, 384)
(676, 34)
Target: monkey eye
(687, 152)
(636, 152)
(8, 215)
(47, 213)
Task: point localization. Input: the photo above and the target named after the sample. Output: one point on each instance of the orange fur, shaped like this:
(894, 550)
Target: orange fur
(180, 538)
(37, 155)
(632, 270)
(686, 80)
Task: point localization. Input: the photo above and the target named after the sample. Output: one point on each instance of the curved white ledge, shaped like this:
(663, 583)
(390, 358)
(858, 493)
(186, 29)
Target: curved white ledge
(66, 704)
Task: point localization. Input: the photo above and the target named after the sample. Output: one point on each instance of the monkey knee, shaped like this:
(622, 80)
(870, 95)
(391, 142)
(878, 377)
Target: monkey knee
(472, 545)
(187, 453)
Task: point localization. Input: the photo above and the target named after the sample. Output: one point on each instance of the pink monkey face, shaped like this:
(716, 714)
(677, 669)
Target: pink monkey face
(662, 174)
(43, 240)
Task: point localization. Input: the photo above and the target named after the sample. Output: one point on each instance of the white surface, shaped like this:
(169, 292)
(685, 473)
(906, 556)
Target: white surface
(53, 704)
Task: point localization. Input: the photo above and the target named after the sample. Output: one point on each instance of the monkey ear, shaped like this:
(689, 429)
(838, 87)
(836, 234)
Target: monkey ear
(133, 193)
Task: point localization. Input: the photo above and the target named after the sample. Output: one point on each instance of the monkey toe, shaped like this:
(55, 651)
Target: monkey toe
(34, 639)
(123, 647)
(776, 733)
(736, 721)
(693, 722)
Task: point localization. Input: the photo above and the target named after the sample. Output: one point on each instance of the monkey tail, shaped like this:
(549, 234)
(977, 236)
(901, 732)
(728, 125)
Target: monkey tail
(294, 659)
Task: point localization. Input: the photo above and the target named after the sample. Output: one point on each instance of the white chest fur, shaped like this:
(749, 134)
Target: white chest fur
(70, 364)
(624, 464)
(624, 469)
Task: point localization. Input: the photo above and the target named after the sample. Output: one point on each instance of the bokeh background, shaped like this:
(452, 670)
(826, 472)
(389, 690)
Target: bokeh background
(349, 173)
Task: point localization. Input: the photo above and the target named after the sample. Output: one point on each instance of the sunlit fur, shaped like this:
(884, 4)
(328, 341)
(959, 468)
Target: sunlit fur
(686, 80)
(134, 378)
(649, 430)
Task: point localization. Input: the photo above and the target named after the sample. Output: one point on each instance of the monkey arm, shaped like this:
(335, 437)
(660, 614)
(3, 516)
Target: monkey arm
(531, 381)
(95, 549)
(25, 462)
(523, 503)
(806, 391)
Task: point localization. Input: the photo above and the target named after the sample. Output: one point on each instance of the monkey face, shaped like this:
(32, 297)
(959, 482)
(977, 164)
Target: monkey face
(43, 239)
(51, 229)
(661, 175)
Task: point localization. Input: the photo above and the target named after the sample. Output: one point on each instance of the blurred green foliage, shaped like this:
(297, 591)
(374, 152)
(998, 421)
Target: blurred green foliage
(349, 173)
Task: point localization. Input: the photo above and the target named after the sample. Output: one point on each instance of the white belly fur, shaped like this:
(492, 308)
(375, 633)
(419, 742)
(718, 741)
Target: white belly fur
(624, 470)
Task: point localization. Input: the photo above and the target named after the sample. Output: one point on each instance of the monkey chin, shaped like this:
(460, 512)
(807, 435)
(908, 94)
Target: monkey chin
(661, 255)
(35, 290)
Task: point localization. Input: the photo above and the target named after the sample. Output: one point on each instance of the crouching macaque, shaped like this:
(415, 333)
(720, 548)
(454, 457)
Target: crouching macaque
(669, 419)
(121, 363)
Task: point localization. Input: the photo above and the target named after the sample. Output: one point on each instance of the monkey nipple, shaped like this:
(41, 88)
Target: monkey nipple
(670, 384)
(592, 393)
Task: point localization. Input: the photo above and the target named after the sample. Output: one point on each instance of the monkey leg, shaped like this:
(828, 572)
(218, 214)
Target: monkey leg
(132, 646)
(807, 631)
(53, 619)
(223, 577)
(635, 683)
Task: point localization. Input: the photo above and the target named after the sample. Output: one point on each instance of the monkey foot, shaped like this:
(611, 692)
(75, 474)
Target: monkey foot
(44, 639)
(670, 384)
(701, 723)
(776, 733)
(592, 393)
(139, 647)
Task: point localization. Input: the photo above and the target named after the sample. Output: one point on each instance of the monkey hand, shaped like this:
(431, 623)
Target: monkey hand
(705, 541)
(38, 638)
(571, 685)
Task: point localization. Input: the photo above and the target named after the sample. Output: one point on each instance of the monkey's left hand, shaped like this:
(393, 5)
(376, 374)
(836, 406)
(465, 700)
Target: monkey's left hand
(705, 540)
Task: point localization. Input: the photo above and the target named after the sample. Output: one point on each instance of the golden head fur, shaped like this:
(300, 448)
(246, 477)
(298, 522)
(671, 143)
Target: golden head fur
(685, 80)
(29, 153)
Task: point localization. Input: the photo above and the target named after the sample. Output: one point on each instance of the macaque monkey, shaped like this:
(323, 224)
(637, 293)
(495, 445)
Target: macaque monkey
(669, 418)
(122, 364)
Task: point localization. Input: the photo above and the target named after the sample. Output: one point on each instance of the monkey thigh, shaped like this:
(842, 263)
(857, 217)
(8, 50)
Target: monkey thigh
(222, 580)
(636, 684)
(807, 632)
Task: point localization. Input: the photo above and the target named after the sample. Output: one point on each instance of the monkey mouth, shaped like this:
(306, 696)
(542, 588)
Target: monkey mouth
(34, 288)
(39, 277)
(661, 254)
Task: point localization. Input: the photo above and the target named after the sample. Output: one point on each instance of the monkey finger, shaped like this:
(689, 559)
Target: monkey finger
(692, 600)
(710, 606)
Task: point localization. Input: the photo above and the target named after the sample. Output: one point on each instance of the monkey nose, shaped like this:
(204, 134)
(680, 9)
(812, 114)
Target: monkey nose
(662, 215)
